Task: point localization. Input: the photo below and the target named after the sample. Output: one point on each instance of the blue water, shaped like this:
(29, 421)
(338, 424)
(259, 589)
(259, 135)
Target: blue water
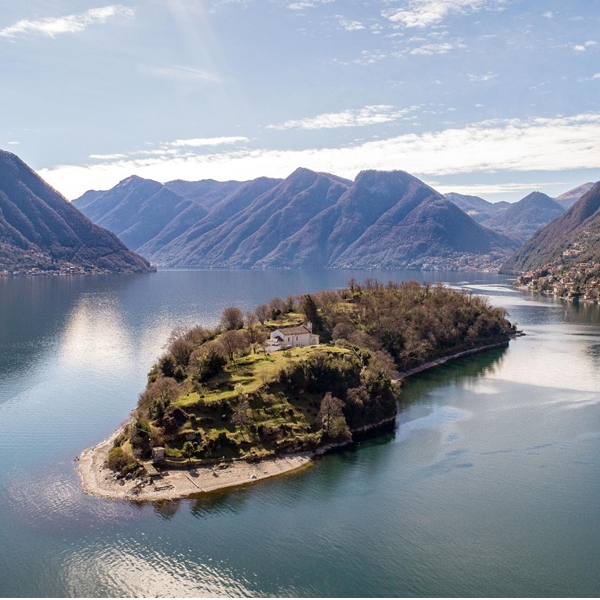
(489, 486)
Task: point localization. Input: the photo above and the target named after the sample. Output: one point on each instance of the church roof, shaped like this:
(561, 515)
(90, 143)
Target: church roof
(298, 330)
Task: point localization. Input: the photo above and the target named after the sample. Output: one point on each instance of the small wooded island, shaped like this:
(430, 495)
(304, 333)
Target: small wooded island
(288, 380)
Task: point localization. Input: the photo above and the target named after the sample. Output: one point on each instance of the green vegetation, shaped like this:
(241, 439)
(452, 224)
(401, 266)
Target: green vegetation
(217, 395)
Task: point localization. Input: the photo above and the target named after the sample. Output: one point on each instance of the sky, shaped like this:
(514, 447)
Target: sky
(494, 98)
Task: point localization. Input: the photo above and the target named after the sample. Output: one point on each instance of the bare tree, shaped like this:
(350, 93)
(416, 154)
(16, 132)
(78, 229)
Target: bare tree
(198, 335)
(240, 416)
(250, 318)
(181, 349)
(232, 318)
(233, 342)
(262, 313)
(157, 398)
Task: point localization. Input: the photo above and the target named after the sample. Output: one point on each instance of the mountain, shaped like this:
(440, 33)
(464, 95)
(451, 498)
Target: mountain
(477, 208)
(40, 230)
(576, 233)
(569, 198)
(207, 192)
(382, 219)
(523, 218)
(255, 220)
(138, 210)
(386, 220)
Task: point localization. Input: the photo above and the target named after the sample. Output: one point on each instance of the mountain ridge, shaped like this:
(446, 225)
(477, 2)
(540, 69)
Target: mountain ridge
(41, 231)
(565, 233)
(313, 219)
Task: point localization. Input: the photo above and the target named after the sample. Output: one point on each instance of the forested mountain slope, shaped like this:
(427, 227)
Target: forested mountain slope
(41, 231)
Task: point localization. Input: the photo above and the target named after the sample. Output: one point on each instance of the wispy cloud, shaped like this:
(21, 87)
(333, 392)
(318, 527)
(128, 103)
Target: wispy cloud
(488, 189)
(185, 74)
(543, 144)
(584, 47)
(431, 49)
(307, 4)
(107, 156)
(487, 77)
(300, 5)
(348, 24)
(176, 148)
(215, 141)
(13, 143)
(54, 26)
(424, 13)
(369, 115)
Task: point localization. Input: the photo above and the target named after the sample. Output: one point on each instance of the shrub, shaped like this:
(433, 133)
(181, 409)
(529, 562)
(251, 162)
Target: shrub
(118, 460)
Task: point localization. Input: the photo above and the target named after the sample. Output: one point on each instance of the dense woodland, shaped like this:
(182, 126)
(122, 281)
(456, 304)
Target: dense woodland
(215, 394)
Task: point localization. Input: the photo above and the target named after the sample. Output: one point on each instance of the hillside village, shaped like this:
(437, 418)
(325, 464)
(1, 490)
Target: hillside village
(574, 281)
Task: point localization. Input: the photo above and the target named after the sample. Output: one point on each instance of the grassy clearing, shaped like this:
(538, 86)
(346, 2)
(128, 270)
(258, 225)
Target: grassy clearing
(249, 374)
(287, 419)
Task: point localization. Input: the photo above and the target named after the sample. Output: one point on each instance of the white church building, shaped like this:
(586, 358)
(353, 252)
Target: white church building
(292, 337)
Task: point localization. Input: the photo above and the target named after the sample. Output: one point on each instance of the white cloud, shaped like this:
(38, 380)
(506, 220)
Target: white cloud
(369, 115)
(485, 189)
(307, 4)
(543, 144)
(54, 26)
(548, 14)
(13, 143)
(423, 13)
(584, 47)
(300, 5)
(596, 76)
(349, 25)
(431, 49)
(215, 141)
(486, 77)
(107, 156)
(185, 74)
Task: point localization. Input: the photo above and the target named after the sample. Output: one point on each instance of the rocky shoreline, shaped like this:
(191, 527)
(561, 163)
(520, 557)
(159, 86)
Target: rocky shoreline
(174, 484)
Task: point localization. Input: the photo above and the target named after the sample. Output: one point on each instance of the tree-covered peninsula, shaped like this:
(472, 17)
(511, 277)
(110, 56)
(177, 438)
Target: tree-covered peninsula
(217, 395)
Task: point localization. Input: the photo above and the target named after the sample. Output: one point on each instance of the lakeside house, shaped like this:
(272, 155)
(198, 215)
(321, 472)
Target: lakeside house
(292, 337)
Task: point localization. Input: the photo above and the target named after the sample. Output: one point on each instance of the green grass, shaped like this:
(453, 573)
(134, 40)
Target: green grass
(249, 374)
(290, 418)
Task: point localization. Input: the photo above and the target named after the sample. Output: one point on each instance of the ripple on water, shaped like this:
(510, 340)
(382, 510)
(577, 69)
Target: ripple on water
(129, 568)
(54, 498)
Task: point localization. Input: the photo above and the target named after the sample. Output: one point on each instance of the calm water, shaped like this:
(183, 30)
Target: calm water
(490, 485)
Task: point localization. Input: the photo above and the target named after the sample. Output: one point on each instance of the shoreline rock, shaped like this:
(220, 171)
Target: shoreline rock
(175, 484)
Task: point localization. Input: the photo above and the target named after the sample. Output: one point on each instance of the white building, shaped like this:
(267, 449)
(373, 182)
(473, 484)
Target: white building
(292, 337)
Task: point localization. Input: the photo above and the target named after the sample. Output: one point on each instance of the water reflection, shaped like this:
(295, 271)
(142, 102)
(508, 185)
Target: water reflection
(493, 468)
(131, 568)
(223, 502)
(167, 509)
(96, 338)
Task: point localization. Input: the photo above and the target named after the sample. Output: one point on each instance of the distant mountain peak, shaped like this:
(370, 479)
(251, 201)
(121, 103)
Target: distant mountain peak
(136, 179)
(578, 228)
(537, 197)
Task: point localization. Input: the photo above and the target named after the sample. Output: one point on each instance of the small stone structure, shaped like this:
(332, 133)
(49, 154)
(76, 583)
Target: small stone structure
(158, 454)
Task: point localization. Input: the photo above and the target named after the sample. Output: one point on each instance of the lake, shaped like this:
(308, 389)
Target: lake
(489, 485)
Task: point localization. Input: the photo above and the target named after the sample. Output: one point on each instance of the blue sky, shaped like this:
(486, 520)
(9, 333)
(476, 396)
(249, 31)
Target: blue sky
(490, 97)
